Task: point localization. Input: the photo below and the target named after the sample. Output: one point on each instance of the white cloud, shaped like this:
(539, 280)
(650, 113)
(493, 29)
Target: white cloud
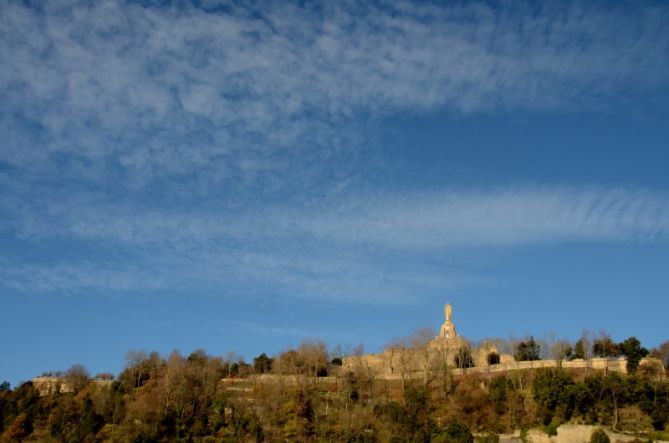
(420, 221)
(165, 90)
(499, 217)
(141, 145)
(369, 249)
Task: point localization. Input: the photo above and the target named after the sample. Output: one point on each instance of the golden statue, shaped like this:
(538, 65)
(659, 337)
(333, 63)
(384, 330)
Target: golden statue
(448, 311)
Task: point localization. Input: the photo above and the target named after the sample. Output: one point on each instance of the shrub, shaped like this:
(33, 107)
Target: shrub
(599, 436)
(551, 429)
(455, 432)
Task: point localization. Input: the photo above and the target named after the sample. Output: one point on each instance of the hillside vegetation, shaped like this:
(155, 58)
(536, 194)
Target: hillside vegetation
(304, 394)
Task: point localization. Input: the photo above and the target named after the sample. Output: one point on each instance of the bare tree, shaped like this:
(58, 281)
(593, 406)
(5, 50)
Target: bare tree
(337, 353)
(134, 359)
(586, 347)
(400, 353)
(314, 354)
(544, 349)
(420, 344)
(662, 352)
(560, 349)
(76, 377)
(510, 345)
(229, 361)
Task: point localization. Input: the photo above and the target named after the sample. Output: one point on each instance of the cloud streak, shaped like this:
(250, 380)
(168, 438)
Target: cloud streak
(115, 90)
(374, 248)
(216, 148)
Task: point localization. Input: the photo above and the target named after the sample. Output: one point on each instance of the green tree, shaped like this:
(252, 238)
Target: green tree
(605, 347)
(88, 423)
(454, 432)
(599, 436)
(579, 350)
(528, 350)
(632, 349)
(262, 364)
(553, 391)
(497, 392)
(416, 418)
(614, 395)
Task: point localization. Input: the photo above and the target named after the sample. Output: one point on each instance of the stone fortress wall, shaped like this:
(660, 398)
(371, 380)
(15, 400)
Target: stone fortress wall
(49, 385)
(380, 365)
(442, 352)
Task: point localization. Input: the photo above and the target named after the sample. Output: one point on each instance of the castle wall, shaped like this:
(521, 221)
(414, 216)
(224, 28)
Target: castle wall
(409, 363)
(442, 350)
(51, 385)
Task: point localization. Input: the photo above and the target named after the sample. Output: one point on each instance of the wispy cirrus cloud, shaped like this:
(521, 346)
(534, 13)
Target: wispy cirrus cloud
(117, 90)
(374, 248)
(204, 148)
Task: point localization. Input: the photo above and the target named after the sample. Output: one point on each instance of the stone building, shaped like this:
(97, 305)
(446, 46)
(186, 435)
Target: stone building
(447, 349)
(419, 359)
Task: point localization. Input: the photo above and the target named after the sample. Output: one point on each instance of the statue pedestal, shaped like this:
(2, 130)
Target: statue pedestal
(447, 330)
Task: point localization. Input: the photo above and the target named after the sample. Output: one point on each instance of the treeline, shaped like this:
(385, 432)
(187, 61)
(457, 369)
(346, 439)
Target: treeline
(207, 398)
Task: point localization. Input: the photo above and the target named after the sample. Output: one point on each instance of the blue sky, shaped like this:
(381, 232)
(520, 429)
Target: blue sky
(243, 175)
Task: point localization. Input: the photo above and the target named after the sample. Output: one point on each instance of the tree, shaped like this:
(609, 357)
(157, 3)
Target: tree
(198, 356)
(604, 346)
(579, 351)
(455, 432)
(463, 358)
(5, 386)
(561, 350)
(420, 344)
(497, 393)
(417, 420)
(599, 436)
(662, 352)
(552, 392)
(20, 428)
(262, 364)
(76, 377)
(310, 359)
(527, 350)
(614, 389)
(400, 356)
(315, 356)
(337, 355)
(583, 348)
(134, 374)
(632, 349)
